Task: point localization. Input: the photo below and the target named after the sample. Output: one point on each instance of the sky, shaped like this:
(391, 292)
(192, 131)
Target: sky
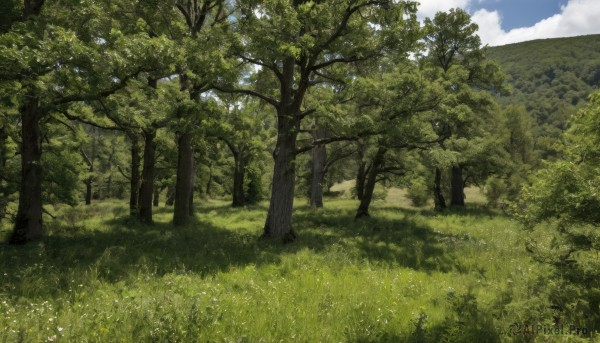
(510, 21)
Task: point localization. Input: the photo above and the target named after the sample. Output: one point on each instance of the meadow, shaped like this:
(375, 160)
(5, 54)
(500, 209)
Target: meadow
(404, 275)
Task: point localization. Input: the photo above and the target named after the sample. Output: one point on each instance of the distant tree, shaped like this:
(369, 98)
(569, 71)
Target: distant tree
(243, 127)
(396, 104)
(456, 49)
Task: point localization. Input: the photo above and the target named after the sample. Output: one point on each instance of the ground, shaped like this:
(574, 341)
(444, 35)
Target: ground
(405, 274)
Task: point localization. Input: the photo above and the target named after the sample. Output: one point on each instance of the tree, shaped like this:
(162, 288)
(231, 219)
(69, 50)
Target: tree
(455, 48)
(297, 42)
(203, 39)
(58, 60)
(560, 207)
(243, 128)
(396, 102)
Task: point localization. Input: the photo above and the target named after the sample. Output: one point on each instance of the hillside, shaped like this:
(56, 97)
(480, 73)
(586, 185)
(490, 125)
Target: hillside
(551, 77)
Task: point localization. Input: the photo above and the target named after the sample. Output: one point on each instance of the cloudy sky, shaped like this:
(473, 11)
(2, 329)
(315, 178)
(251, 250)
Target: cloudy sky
(510, 21)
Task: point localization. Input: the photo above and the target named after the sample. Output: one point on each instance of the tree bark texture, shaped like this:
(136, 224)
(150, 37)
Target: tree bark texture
(369, 188)
(28, 223)
(318, 164)
(438, 197)
(185, 180)
(147, 182)
(279, 218)
(134, 182)
(457, 187)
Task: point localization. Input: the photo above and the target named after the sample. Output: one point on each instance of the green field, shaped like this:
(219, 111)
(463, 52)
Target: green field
(405, 274)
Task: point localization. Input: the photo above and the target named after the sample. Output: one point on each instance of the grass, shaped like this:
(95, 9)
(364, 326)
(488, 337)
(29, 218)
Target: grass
(405, 274)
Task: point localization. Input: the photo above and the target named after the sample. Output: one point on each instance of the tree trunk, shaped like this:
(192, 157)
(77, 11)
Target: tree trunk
(209, 182)
(369, 187)
(361, 176)
(239, 196)
(88, 191)
(458, 187)
(192, 181)
(279, 218)
(28, 224)
(134, 184)
(155, 200)
(185, 180)
(318, 162)
(438, 197)
(170, 196)
(90, 162)
(3, 160)
(109, 192)
(147, 185)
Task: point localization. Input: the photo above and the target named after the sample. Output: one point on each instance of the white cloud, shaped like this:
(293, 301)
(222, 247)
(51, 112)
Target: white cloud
(429, 8)
(578, 17)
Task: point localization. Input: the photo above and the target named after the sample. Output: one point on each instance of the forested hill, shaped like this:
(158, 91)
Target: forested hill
(551, 77)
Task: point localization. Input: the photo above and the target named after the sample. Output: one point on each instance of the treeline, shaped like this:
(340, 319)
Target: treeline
(104, 99)
(552, 78)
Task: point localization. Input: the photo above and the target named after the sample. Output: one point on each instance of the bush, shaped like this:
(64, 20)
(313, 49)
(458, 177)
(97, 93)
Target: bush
(418, 192)
(495, 191)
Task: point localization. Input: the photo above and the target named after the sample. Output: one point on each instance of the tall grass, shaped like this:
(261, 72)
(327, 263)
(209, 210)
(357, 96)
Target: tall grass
(403, 275)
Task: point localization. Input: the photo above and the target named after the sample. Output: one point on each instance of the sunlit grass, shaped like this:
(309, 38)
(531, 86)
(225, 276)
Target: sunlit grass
(403, 275)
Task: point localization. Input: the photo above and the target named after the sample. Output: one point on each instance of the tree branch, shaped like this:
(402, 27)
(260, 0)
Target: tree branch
(324, 141)
(270, 100)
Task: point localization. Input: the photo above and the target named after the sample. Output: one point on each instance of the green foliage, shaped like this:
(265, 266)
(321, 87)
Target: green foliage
(495, 191)
(254, 188)
(560, 207)
(553, 79)
(418, 191)
(569, 188)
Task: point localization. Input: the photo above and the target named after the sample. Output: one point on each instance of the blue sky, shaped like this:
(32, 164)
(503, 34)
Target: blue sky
(520, 13)
(511, 21)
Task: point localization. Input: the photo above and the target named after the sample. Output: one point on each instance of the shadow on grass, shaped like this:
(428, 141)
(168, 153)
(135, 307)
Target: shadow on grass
(475, 211)
(123, 246)
(382, 241)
